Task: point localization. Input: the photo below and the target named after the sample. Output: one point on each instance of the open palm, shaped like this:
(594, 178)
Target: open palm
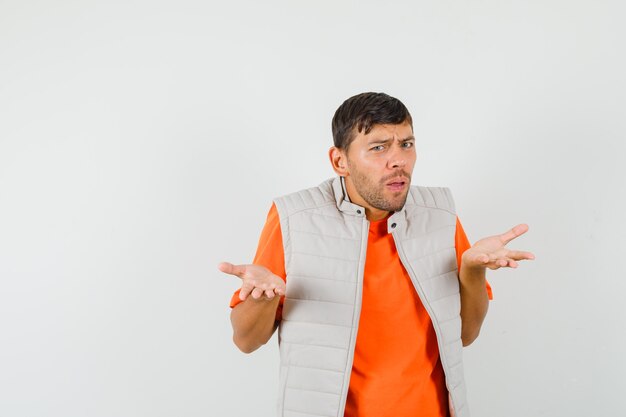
(491, 252)
(257, 280)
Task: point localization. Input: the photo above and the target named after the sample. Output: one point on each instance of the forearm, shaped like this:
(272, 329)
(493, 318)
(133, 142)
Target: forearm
(474, 302)
(253, 322)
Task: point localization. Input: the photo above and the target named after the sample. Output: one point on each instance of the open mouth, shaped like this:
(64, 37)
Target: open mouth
(397, 184)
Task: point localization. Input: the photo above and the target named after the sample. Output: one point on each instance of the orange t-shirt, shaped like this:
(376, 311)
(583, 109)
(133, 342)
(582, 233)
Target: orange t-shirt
(396, 369)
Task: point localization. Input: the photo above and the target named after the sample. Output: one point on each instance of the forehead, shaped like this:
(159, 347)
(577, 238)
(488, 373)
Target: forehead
(386, 132)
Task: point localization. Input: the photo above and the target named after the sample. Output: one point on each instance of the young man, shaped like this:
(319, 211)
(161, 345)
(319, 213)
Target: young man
(372, 282)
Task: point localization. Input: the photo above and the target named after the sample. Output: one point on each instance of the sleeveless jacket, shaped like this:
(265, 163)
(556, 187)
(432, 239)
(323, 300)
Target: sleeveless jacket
(325, 243)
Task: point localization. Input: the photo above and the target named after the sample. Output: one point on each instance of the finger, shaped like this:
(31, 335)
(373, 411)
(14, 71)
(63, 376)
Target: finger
(518, 230)
(228, 268)
(245, 291)
(493, 266)
(495, 261)
(503, 263)
(270, 293)
(257, 293)
(519, 255)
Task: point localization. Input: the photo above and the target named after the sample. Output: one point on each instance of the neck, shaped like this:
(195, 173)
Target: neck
(375, 214)
(372, 213)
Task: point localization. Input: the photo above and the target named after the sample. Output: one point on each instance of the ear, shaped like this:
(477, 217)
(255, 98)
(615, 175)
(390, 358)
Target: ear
(339, 161)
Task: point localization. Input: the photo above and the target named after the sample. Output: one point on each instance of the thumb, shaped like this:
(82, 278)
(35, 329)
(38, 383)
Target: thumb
(517, 231)
(228, 268)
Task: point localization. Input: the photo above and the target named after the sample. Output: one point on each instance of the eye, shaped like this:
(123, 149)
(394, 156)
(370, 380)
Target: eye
(377, 148)
(408, 144)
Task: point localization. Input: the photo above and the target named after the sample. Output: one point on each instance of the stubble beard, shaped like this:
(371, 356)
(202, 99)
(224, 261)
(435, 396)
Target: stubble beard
(374, 194)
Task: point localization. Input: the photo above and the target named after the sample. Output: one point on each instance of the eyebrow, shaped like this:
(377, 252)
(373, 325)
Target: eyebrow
(373, 141)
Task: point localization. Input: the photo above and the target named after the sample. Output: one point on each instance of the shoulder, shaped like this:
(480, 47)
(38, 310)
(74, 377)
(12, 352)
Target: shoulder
(307, 199)
(431, 197)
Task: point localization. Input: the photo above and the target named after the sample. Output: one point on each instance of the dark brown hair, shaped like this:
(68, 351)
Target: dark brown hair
(361, 112)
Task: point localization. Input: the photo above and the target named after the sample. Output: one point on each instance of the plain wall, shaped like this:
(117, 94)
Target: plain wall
(141, 143)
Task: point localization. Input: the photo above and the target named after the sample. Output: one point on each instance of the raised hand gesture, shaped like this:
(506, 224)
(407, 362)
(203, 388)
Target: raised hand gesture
(257, 281)
(491, 252)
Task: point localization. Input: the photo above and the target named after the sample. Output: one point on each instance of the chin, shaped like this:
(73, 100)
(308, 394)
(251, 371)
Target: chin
(397, 203)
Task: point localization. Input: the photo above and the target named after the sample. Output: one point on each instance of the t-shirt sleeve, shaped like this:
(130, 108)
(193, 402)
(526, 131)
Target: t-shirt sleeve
(269, 253)
(461, 243)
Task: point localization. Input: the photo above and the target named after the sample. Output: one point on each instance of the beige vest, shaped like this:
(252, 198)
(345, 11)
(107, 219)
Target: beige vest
(325, 242)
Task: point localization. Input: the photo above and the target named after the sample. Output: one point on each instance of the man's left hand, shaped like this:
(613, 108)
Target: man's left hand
(491, 252)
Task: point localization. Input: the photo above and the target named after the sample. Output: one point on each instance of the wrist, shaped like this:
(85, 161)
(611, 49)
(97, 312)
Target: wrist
(474, 274)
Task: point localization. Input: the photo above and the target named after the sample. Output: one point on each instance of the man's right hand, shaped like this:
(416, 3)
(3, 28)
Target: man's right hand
(254, 321)
(257, 281)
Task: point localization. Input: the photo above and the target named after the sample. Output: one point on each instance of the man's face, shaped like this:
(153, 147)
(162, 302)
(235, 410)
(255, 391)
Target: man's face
(379, 167)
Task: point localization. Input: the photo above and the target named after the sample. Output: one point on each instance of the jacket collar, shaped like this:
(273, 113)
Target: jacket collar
(397, 219)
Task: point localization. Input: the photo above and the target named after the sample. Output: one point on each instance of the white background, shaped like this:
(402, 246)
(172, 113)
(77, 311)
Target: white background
(141, 143)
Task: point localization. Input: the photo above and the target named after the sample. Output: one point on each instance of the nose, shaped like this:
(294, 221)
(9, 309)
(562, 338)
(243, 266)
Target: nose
(397, 159)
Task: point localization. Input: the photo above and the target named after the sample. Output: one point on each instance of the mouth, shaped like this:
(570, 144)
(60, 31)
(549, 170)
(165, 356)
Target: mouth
(397, 184)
